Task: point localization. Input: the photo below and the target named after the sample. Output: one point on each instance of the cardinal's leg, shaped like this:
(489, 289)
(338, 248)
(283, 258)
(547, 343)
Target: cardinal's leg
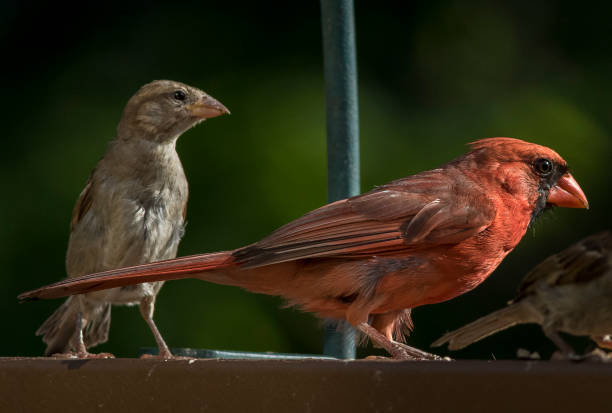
(358, 314)
(399, 351)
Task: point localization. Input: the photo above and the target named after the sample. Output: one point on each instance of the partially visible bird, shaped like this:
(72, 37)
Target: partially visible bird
(132, 211)
(371, 258)
(569, 292)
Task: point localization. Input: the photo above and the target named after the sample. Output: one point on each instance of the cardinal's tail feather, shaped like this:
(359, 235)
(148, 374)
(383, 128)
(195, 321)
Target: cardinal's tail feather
(184, 267)
(512, 315)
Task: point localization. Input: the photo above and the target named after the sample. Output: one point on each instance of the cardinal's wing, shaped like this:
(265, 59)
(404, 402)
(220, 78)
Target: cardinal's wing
(420, 211)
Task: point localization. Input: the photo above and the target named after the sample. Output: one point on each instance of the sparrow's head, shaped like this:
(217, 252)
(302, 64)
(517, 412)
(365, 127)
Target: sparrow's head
(163, 109)
(534, 172)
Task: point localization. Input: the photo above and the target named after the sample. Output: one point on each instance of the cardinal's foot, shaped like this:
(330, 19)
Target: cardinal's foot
(401, 351)
(398, 351)
(379, 358)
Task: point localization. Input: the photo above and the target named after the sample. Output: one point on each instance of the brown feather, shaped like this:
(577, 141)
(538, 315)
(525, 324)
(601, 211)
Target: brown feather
(582, 262)
(83, 204)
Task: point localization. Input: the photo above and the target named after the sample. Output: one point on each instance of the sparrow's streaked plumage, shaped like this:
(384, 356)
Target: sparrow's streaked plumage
(132, 211)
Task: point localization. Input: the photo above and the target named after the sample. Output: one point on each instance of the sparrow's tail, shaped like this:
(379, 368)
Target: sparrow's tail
(517, 313)
(175, 269)
(59, 330)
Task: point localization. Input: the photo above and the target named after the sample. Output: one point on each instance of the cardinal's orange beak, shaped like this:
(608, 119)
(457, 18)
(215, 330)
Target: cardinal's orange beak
(567, 193)
(207, 107)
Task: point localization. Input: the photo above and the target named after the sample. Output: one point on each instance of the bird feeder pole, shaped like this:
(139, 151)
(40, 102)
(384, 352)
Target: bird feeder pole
(340, 66)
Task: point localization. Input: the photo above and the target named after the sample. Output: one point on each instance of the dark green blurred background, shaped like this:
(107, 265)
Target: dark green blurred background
(432, 76)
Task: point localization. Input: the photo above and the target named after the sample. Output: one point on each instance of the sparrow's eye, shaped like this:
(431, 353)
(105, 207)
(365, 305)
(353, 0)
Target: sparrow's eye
(179, 95)
(543, 166)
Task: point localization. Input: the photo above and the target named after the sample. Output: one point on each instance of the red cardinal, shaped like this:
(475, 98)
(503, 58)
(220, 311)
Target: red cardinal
(371, 258)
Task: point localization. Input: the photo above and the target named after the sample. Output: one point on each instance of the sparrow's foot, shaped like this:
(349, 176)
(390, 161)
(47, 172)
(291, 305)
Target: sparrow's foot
(524, 354)
(83, 355)
(563, 356)
(89, 355)
(598, 355)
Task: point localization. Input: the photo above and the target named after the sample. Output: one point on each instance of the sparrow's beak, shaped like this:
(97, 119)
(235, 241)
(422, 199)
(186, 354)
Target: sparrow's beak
(567, 193)
(207, 107)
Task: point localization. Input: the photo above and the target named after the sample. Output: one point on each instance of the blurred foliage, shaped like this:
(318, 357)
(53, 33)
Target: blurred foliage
(433, 76)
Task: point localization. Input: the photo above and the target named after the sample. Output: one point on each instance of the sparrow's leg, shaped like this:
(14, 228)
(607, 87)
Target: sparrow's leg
(567, 351)
(147, 307)
(81, 349)
(399, 351)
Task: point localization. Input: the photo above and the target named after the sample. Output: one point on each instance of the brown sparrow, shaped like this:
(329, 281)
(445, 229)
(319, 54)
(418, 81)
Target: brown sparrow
(131, 211)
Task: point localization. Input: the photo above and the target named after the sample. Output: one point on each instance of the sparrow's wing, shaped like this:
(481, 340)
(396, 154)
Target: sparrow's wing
(83, 204)
(582, 262)
(423, 210)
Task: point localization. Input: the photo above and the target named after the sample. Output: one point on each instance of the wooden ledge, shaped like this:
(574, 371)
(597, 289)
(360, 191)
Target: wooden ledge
(149, 385)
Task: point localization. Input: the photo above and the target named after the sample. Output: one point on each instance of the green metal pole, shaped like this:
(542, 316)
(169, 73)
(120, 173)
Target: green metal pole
(342, 112)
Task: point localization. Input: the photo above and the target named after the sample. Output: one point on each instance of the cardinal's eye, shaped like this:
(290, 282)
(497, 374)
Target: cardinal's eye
(543, 166)
(179, 95)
